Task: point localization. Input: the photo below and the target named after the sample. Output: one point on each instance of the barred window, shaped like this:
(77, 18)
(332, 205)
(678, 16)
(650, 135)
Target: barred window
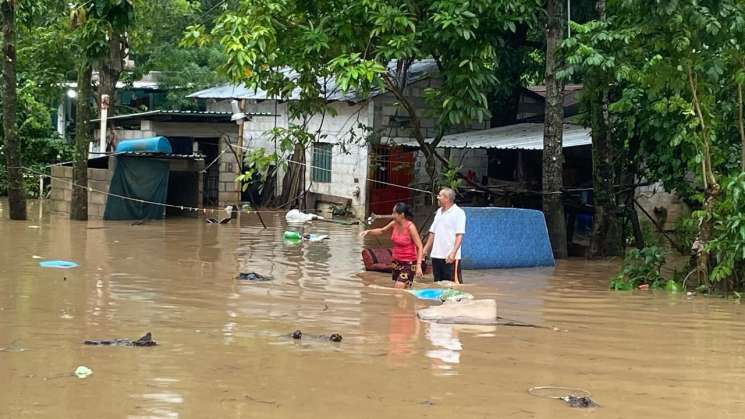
(322, 162)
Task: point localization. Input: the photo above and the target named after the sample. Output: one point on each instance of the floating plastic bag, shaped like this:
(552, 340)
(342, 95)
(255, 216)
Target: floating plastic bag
(297, 216)
(440, 294)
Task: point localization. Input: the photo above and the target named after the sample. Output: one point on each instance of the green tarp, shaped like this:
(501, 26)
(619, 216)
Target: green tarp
(140, 179)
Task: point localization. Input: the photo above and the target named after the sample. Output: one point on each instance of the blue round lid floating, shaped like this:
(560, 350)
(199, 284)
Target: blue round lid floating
(58, 264)
(145, 145)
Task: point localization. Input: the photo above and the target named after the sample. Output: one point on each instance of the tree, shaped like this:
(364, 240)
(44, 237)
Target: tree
(676, 70)
(96, 24)
(16, 194)
(79, 200)
(607, 231)
(553, 157)
(369, 45)
(154, 45)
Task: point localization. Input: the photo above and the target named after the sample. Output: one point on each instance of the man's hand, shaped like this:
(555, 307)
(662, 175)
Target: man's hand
(450, 258)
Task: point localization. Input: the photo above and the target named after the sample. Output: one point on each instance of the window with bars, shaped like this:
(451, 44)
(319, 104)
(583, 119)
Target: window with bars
(322, 162)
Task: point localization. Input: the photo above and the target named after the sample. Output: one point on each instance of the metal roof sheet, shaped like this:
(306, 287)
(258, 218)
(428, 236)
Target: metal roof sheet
(417, 71)
(525, 136)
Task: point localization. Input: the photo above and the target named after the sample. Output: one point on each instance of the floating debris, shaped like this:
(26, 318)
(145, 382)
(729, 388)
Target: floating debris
(334, 337)
(83, 371)
(582, 402)
(58, 264)
(146, 340)
(253, 276)
(573, 397)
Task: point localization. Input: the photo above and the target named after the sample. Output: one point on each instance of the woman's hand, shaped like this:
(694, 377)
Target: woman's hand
(364, 233)
(419, 273)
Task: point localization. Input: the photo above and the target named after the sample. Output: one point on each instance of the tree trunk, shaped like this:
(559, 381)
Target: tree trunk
(553, 158)
(294, 179)
(16, 195)
(111, 69)
(108, 75)
(79, 204)
(711, 186)
(741, 125)
(507, 101)
(606, 229)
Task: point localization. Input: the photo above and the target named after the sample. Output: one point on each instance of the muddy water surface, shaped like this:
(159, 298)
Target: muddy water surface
(224, 352)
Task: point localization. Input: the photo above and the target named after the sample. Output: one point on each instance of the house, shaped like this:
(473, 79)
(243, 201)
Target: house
(210, 134)
(366, 158)
(347, 166)
(149, 181)
(141, 95)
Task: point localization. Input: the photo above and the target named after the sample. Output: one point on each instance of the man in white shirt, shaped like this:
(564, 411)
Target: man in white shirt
(445, 238)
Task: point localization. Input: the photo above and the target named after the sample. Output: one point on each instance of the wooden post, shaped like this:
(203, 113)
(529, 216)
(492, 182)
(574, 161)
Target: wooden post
(102, 127)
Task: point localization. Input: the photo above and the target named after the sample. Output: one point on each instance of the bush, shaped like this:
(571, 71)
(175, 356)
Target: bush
(728, 244)
(640, 267)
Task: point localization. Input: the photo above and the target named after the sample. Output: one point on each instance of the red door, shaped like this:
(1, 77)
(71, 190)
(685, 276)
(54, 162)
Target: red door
(391, 168)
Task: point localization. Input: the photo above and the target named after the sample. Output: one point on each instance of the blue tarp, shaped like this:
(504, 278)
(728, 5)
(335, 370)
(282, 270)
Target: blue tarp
(505, 238)
(145, 145)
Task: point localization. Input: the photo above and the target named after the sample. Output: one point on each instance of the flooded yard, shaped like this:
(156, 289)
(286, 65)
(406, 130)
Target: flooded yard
(224, 349)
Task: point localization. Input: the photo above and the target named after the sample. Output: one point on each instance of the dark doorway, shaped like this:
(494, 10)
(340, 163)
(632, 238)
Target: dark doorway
(210, 149)
(183, 190)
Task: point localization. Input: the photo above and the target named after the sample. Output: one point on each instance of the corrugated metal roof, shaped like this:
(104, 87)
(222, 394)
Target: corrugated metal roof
(417, 71)
(526, 136)
(207, 115)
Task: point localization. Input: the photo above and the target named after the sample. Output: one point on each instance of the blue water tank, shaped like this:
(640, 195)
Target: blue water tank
(145, 145)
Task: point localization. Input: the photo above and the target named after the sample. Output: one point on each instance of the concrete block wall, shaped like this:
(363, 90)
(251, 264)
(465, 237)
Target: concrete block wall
(61, 195)
(655, 196)
(475, 159)
(386, 107)
(335, 126)
(228, 189)
(349, 161)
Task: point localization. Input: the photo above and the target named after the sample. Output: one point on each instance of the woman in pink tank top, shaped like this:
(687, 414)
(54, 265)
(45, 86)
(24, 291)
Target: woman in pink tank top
(407, 245)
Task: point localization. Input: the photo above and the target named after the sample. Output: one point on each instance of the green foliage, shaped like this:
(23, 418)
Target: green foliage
(366, 45)
(449, 177)
(645, 52)
(641, 267)
(95, 20)
(40, 144)
(258, 163)
(154, 40)
(728, 219)
(673, 70)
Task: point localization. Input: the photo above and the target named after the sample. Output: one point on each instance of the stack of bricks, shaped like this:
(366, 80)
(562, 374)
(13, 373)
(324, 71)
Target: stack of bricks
(61, 196)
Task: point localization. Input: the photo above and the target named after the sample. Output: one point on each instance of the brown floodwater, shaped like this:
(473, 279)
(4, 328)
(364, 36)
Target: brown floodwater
(224, 350)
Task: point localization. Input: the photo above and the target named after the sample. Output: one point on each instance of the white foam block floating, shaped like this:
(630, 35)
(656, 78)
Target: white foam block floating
(461, 312)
